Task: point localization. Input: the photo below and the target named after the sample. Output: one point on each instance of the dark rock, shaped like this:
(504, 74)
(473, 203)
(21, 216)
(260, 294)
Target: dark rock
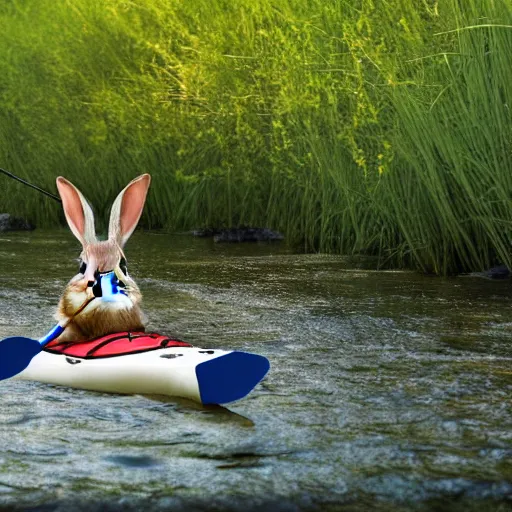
(236, 235)
(205, 233)
(10, 223)
(247, 235)
(499, 272)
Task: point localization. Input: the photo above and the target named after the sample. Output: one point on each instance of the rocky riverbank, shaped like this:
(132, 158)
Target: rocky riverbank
(237, 235)
(9, 222)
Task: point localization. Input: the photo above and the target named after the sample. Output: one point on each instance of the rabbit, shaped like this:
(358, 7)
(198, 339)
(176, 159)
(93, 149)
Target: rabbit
(109, 312)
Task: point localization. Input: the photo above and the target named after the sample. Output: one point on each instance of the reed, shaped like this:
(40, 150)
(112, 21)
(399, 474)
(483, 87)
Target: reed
(354, 126)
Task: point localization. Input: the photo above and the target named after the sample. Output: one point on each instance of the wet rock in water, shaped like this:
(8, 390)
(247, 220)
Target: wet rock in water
(236, 235)
(205, 233)
(10, 223)
(247, 235)
(499, 272)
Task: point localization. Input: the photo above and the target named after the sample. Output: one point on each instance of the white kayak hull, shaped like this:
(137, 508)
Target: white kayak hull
(204, 375)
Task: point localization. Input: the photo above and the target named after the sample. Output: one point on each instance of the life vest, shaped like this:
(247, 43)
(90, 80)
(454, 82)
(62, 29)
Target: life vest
(111, 345)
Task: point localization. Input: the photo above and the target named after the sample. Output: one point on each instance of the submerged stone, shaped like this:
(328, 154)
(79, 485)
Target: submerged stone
(248, 235)
(237, 235)
(499, 272)
(10, 223)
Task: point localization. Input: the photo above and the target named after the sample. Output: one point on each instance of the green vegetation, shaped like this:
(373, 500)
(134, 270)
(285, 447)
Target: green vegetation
(354, 126)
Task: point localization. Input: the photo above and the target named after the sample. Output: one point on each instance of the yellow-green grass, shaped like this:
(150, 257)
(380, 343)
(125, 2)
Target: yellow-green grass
(354, 126)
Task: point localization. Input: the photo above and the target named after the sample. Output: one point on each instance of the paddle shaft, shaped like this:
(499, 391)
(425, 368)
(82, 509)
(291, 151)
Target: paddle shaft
(17, 352)
(35, 187)
(59, 328)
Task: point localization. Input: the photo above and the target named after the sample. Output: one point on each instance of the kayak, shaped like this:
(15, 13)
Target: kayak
(142, 363)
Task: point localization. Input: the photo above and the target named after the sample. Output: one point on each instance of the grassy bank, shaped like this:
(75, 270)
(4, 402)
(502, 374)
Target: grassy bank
(353, 126)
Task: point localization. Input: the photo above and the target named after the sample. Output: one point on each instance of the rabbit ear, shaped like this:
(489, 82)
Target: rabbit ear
(127, 209)
(78, 212)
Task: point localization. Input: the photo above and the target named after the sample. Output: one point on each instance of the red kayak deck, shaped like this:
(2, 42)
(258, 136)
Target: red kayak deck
(111, 345)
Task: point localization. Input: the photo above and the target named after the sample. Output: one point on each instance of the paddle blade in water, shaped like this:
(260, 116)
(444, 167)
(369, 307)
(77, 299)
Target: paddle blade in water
(15, 355)
(230, 377)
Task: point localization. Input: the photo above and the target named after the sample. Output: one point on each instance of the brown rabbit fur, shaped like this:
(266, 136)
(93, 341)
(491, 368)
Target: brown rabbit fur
(100, 317)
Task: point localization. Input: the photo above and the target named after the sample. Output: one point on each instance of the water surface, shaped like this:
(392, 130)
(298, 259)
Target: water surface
(388, 390)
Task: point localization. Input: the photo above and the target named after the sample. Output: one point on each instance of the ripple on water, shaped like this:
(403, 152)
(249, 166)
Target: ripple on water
(134, 461)
(387, 390)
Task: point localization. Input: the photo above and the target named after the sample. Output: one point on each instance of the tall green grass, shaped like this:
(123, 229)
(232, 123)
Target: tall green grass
(354, 126)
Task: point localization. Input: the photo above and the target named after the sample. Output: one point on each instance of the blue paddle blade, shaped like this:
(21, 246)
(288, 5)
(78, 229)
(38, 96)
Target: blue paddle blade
(15, 355)
(230, 377)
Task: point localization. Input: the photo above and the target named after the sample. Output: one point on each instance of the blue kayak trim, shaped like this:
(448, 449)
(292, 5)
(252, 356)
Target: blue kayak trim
(230, 377)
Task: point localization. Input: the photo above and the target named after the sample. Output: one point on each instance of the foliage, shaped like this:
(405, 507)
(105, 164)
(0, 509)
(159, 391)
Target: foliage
(354, 126)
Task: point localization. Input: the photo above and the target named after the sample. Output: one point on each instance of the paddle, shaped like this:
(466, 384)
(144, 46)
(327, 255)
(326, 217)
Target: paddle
(16, 352)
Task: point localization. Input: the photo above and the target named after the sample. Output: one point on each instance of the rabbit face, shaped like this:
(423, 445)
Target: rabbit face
(103, 272)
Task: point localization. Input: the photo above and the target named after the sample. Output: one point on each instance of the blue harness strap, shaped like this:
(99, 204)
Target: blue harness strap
(109, 285)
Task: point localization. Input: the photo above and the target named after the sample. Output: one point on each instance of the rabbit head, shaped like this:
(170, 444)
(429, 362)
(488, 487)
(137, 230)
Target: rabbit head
(103, 272)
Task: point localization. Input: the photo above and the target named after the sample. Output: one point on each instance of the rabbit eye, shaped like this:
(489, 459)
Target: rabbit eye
(83, 267)
(123, 267)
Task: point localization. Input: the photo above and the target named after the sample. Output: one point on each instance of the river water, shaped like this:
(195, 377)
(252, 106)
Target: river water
(388, 390)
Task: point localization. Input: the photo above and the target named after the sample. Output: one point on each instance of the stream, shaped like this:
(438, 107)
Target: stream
(388, 390)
